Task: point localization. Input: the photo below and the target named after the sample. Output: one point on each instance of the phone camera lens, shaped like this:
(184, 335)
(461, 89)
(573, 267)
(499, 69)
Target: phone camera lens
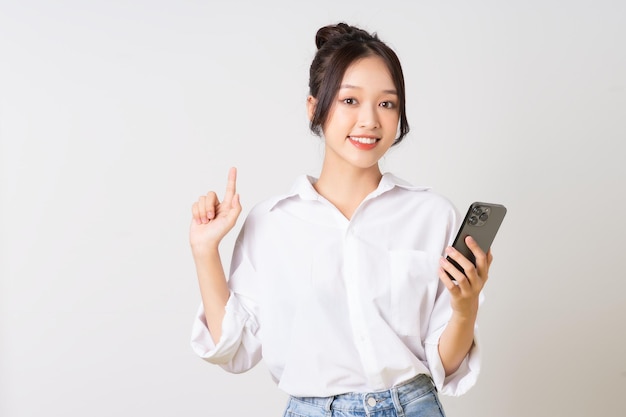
(473, 220)
(483, 217)
(476, 211)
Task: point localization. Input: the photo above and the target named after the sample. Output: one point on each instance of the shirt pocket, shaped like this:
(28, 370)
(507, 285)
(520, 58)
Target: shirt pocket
(413, 290)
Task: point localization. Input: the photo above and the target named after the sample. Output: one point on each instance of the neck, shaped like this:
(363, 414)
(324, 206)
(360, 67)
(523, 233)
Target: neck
(347, 186)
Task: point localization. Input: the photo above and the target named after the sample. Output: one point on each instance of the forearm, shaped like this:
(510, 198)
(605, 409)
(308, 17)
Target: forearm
(213, 289)
(456, 341)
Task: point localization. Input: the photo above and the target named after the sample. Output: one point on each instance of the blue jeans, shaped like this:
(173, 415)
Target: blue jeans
(414, 398)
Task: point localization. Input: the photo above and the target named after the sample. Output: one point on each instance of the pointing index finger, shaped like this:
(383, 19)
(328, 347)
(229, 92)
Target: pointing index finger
(231, 185)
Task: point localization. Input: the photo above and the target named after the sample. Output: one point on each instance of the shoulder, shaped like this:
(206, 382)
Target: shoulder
(301, 189)
(416, 206)
(409, 208)
(416, 194)
(264, 207)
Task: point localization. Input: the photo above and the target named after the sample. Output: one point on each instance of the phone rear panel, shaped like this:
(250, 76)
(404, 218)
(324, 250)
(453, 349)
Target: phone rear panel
(482, 222)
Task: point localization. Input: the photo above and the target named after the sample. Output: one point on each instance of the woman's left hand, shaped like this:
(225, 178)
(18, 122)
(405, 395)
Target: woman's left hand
(466, 290)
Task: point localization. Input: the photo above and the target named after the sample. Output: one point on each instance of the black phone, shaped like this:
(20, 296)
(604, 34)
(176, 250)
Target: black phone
(481, 222)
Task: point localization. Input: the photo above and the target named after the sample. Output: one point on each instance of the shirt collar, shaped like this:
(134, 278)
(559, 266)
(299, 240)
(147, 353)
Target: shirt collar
(303, 188)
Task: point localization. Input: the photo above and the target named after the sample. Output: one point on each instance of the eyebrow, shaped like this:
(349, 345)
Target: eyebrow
(356, 87)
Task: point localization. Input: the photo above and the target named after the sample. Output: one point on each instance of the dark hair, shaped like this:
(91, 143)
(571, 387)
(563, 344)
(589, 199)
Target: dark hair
(338, 46)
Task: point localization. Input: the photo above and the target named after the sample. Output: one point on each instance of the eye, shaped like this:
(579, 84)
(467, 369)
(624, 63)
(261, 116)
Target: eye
(388, 104)
(349, 100)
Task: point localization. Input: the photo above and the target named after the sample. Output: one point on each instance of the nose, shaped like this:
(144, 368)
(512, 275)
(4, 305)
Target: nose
(368, 117)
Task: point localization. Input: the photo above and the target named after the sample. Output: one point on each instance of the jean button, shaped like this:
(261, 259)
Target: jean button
(371, 401)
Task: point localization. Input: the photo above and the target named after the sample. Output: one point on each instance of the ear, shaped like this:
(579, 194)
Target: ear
(311, 104)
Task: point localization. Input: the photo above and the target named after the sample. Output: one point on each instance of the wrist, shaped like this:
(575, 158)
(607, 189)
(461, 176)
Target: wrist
(205, 250)
(465, 316)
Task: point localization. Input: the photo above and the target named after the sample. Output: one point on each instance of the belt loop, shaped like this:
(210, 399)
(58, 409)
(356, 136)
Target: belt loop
(328, 407)
(396, 402)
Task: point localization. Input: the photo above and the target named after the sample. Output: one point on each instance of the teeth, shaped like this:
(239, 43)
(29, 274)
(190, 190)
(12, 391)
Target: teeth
(367, 141)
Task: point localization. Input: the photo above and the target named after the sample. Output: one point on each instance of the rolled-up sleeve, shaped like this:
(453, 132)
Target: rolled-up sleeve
(239, 347)
(465, 377)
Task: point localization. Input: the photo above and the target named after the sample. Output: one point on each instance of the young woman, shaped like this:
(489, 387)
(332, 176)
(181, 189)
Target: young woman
(340, 285)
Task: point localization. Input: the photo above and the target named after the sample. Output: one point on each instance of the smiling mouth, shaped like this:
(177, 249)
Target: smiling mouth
(364, 141)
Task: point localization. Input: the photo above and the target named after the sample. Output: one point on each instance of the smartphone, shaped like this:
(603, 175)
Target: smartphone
(481, 222)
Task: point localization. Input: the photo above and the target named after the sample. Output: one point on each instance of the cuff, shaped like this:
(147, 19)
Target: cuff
(464, 378)
(233, 324)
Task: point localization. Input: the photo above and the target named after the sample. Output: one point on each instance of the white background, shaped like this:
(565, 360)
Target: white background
(116, 115)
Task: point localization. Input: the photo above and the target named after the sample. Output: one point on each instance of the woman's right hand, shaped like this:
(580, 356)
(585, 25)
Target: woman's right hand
(212, 219)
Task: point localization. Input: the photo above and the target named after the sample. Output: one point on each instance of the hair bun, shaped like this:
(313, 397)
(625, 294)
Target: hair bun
(341, 31)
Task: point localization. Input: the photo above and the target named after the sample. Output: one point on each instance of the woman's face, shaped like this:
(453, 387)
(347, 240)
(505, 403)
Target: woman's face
(363, 121)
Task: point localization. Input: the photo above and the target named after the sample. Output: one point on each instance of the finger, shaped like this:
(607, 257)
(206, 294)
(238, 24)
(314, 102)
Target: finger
(475, 248)
(211, 203)
(231, 186)
(202, 209)
(483, 269)
(234, 212)
(458, 275)
(460, 285)
(445, 279)
(195, 214)
(466, 264)
(482, 259)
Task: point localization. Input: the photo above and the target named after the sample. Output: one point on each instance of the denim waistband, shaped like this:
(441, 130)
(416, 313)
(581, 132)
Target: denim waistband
(395, 397)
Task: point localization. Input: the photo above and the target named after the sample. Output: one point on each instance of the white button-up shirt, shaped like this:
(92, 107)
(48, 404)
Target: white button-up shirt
(335, 305)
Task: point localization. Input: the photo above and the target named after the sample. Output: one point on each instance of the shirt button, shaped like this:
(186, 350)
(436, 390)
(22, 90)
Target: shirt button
(371, 401)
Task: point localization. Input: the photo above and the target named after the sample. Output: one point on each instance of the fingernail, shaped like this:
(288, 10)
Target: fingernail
(449, 250)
